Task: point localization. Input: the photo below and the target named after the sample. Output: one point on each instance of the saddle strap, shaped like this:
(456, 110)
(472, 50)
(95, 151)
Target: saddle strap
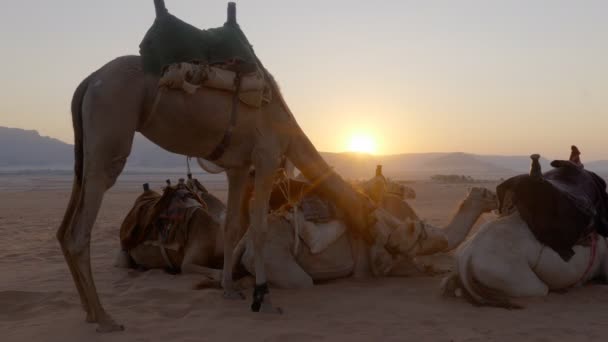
(163, 252)
(218, 152)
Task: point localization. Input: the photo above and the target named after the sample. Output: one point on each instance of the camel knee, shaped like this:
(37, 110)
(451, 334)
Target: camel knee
(105, 173)
(77, 242)
(450, 285)
(124, 260)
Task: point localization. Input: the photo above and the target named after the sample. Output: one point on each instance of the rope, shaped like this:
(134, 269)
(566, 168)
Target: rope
(540, 253)
(592, 255)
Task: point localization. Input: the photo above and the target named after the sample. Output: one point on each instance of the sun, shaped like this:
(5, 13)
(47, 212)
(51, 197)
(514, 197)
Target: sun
(362, 143)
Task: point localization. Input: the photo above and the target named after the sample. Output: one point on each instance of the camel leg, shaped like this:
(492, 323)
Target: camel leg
(106, 126)
(211, 273)
(362, 268)
(61, 233)
(285, 272)
(77, 243)
(266, 164)
(237, 183)
(190, 265)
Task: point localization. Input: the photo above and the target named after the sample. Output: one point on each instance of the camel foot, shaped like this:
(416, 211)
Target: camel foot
(124, 260)
(234, 295)
(267, 308)
(90, 318)
(362, 274)
(108, 326)
(261, 301)
(450, 286)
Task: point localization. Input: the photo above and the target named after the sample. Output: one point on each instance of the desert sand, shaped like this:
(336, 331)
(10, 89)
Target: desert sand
(38, 300)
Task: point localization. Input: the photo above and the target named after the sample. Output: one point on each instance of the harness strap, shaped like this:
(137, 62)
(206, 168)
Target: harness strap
(218, 152)
(592, 256)
(163, 250)
(540, 253)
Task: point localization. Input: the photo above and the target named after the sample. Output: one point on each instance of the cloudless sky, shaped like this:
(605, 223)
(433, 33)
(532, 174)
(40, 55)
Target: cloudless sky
(492, 77)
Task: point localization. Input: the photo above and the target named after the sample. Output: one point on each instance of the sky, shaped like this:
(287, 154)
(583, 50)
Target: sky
(489, 77)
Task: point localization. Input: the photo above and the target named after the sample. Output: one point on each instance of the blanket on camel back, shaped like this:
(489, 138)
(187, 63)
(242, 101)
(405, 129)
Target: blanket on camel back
(171, 40)
(561, 207)
(161, 220)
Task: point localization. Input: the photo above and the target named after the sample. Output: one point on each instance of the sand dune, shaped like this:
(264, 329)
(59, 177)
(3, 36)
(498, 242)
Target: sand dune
(38, 301)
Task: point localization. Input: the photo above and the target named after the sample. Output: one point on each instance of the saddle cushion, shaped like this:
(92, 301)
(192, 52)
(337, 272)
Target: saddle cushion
(319, 236)
(317, 210)
(171, 40)
(562, 207)
(189, 77)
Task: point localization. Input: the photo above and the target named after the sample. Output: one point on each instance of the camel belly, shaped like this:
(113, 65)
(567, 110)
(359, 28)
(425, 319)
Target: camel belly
(195, 124)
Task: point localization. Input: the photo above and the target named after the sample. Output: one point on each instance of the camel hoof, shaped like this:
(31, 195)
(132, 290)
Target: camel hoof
(362, 274)
(90, 318)
(261, 301)
(234, 295)
(109, 326)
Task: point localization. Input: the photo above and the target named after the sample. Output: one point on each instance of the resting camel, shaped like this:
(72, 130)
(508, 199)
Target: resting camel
(506, 260)
(397, 243)
(292, 263)
(118, 99)
(203, 251)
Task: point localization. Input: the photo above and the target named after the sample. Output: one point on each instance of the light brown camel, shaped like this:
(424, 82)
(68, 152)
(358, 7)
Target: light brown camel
(117, 100)
(203, 251)
(397, 242)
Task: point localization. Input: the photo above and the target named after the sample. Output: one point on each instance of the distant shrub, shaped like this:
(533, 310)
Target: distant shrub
(453, 179)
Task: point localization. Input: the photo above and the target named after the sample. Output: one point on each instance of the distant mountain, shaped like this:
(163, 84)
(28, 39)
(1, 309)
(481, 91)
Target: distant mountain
(27, 150)
(24, 148)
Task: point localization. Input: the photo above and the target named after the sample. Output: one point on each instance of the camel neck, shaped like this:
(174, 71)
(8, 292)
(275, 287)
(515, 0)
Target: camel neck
(461, 223)
(308, 160)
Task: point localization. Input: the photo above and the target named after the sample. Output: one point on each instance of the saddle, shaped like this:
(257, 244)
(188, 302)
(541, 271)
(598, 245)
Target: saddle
(562, 206)
(171, 40)
(159, 217)
(287, 192)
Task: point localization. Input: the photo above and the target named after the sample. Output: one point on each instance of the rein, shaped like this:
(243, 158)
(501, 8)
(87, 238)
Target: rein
(285, 187)
(422, 236)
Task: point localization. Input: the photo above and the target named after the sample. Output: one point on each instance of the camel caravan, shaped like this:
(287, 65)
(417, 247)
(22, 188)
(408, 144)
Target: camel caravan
(205, 94)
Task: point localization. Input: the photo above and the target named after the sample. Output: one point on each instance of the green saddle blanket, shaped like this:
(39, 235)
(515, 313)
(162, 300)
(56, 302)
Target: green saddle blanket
(171, 40)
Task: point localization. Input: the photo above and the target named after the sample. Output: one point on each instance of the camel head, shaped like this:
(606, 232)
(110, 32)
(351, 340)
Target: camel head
(414, 237)
(404, 238)
(481, 198)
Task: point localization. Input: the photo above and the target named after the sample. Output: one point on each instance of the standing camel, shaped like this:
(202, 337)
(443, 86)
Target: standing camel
(118, 99)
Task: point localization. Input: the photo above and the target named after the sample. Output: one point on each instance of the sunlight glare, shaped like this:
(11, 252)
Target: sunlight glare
(362, 144)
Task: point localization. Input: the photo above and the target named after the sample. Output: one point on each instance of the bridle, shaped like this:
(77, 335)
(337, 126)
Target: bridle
(396, 251)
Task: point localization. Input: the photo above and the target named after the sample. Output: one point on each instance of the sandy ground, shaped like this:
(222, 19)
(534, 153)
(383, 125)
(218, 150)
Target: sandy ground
(38, 301)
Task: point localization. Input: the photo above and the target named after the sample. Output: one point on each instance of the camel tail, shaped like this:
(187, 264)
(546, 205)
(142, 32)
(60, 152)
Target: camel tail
(77, 101)
(477, 293)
